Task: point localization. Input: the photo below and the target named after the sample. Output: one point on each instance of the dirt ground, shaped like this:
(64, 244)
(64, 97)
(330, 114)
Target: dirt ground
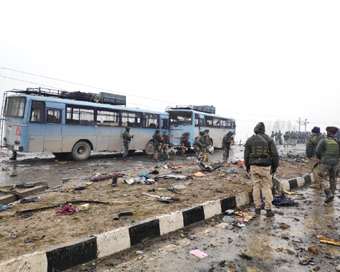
(33, 231)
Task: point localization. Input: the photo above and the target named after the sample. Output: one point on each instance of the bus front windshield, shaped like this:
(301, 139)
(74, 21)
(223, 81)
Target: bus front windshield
(180, 118)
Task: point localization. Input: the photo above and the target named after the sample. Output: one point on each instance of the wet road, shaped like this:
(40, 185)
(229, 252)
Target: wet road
(43, 167)
(282, 243)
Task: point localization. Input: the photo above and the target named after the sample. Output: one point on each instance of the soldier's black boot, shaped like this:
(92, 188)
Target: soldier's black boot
(114, 181)
(270, 213)
(258, 210)
(14, 156)
(329, 196)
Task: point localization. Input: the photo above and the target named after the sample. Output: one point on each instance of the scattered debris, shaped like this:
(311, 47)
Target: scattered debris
(198, 253)
(33, 199)
(122, 214)
(329, 241)
(5, 207)
(66, 210)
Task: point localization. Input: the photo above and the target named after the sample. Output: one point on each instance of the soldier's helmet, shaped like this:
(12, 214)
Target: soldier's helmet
(127, 128)
(201, 132)
(157, 131)
(332, 130)
(230, 133)
(206, 130)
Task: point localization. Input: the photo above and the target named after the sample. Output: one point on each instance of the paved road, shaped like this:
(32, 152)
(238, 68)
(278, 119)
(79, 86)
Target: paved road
(33, 167)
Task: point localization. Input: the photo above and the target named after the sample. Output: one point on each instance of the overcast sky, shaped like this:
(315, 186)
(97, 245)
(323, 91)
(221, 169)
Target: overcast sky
(253, 60)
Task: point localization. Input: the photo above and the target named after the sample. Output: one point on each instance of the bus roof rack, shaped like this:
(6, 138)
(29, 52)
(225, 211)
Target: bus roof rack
(102, 97)
(205, 108)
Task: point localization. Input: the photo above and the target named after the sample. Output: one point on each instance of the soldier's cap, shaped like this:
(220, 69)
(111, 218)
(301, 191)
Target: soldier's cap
(157, 131)
(201, 132)
(127, 128)
(206, 130)
(332, 130)
(230, 133)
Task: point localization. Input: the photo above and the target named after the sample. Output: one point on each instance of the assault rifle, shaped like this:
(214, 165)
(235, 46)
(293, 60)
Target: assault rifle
(314, 166)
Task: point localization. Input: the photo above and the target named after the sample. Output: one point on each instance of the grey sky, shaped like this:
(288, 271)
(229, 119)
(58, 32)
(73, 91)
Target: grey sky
(253, 60)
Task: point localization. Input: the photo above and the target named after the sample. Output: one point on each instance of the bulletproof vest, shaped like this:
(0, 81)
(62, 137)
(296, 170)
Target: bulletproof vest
(260, 148)
(332, 149)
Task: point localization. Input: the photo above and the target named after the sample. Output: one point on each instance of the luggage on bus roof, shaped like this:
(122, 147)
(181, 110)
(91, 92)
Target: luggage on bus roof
(204, 108)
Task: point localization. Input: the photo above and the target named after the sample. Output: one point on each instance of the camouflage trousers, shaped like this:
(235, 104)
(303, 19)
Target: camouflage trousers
(126, 149)
(262, 181)
(205, 154)
(312, 161)
(226, 154)
(164, 152)
(327, 176)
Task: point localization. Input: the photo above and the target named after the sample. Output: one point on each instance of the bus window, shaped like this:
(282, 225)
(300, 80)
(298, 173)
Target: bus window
(81, 116)
(180, 117)
(53, 116)
(37, 112)
(107, 118)
(217, 122)
(208, 121)
(150, 120)
(199, 122)
(131, 119)
(15, 107)
(165, 123)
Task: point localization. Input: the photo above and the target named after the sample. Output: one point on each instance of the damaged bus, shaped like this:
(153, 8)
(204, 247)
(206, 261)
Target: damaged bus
(193, 119)
(74, 124)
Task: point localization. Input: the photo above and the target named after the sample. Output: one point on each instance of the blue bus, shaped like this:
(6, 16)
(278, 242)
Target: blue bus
(45, 120)
(193, 119)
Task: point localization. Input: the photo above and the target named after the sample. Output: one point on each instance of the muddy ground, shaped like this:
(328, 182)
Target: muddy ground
(33, 231)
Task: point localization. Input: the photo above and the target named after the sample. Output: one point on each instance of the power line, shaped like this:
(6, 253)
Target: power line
(80, 84)
(40, 84)
(98, 88)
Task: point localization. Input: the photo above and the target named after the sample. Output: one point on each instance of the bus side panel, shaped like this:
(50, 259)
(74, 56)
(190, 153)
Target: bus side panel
(36, 139)
(16, 132)
(53, 138)
(72, 134)
(175, 135)
(116, 139)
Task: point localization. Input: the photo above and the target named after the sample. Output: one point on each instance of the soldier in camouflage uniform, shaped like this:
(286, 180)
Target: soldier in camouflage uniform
(165, 145)
(310, 152)
(157, 143)
(184, 141)
(198, 145)
(328, 154)
(207, 145)
(227, 142)
(126, 141)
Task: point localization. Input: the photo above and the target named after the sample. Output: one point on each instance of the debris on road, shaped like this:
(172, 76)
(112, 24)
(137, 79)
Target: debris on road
(198, 253)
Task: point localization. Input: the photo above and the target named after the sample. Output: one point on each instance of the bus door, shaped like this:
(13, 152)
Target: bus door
(53, 133)
(36, 126)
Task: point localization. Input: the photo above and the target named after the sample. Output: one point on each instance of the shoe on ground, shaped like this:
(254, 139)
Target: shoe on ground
(329, 197)
(270, 213)
(13, 158)
(258, 210)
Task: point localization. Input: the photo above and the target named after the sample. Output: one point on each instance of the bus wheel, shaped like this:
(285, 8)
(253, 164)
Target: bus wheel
(149, 148)
(81, 151)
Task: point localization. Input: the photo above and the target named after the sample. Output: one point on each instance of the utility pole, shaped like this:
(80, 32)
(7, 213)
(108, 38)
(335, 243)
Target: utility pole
(300, 123)
(305, 124)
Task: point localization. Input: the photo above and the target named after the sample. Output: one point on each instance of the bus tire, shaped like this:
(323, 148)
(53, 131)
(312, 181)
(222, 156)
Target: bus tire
(81, 151)
(149, 148)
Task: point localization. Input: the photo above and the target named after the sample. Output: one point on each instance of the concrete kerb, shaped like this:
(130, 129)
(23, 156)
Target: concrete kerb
(62, 257)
